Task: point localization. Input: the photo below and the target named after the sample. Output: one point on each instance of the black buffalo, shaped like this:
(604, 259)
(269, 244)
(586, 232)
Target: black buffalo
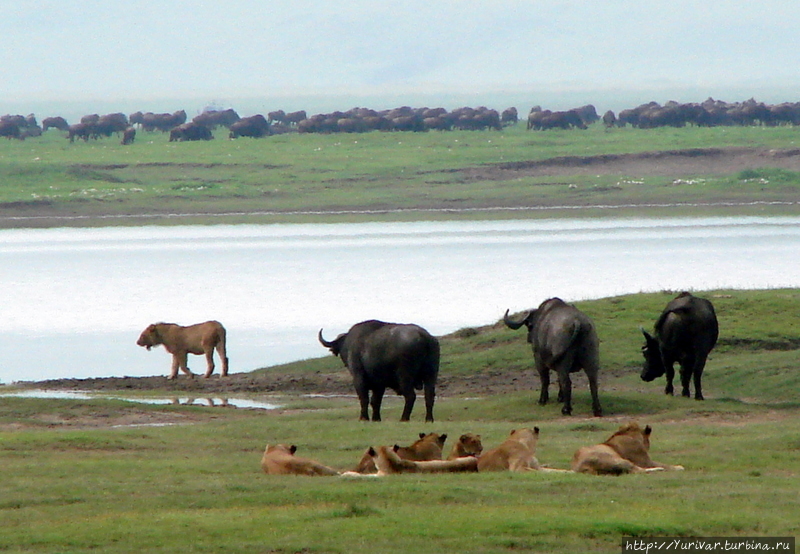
(563, 340)
(685, 333)
(56, 122)
(402, 357)
(79, 130)
(190, 131)
(129, 135)
(255, 126)
(217, 118)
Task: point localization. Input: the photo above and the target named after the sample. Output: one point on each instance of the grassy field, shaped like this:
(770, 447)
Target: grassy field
(374, 172)
(74, 484)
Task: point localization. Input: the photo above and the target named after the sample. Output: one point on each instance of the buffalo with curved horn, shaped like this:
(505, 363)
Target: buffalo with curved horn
(379, 355)
(564, 340)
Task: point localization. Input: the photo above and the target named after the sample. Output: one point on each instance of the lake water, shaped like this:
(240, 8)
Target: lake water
(75, 300)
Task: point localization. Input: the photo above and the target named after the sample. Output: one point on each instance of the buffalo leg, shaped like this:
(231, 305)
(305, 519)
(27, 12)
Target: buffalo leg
(670, 376)
(697, 374)
(565, 385)
(596, 409)
(410, 397)
(544, 377)
(363, 398)
(430, 396)
(377, 399)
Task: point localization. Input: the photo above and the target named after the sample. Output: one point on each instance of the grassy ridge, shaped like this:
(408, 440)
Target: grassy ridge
(372, 171)
(198, 488)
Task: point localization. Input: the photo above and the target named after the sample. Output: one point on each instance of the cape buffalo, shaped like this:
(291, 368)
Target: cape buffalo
(190, 131)
(255, 126)
(685, 333)
(563, 340)
(379, 355)
(56, 122)
(129, 135)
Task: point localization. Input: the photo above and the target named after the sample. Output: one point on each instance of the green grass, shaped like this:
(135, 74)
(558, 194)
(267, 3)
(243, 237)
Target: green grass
(372, 171)
(197, 486)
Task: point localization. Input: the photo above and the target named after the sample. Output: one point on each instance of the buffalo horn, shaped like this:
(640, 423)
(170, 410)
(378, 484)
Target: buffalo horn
(511, 324)
(322, 341)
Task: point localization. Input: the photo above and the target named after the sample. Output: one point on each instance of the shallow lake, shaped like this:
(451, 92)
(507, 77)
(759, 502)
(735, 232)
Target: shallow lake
(75, 300)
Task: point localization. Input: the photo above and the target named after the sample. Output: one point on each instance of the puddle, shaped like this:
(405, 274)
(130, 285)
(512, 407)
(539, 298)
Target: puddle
(208, 401)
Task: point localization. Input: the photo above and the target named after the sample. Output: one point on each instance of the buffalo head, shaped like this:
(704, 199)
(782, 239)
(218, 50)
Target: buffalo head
(335, 345)
(653, 366)
(528, 321)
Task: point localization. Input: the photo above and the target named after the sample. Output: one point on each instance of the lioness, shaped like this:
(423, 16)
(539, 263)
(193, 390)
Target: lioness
(466, 445)
(279, 459)
(516, 453)
(427, 447)
(388, 462)
(180, 341)
(626, 451)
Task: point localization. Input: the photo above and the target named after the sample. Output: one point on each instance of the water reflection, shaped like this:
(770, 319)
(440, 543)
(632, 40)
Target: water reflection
(207, 401)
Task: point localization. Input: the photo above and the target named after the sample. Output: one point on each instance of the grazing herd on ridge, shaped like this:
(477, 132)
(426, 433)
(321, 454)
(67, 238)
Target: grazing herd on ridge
(708, 113)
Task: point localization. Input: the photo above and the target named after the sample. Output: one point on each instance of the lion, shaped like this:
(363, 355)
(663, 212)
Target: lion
(626, 451)
(279, 459)
(388, 462)
(427, 447)
(516, 453)
(180, 341)
(467, 444)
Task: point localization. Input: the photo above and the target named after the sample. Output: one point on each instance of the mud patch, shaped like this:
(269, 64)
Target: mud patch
(668, 163)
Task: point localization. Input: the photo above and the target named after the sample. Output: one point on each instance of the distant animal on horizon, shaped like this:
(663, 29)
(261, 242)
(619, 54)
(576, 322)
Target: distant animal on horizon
(216, 118)
(563, 340)
(79, 130)
(380, 355)
(255, 126)
(626, 451)
(202, 338)
(129, 135)
(686, 332)
(56, 122)
(190, 131)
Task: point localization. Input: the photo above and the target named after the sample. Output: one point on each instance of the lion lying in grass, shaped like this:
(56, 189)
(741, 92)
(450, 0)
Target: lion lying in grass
(516, 453)
(427, 447)
(388, 462)
(626, 451)
(466, 445)
(279, 459)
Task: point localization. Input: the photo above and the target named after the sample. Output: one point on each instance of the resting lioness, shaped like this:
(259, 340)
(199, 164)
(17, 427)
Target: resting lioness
(626, 451)
(181, 341)
(388, 462)
(516, 453)
(466, 445)
(427, 447)
(279, 459)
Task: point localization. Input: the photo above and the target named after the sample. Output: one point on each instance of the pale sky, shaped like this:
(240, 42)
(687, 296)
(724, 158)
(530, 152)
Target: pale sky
(111, 50)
